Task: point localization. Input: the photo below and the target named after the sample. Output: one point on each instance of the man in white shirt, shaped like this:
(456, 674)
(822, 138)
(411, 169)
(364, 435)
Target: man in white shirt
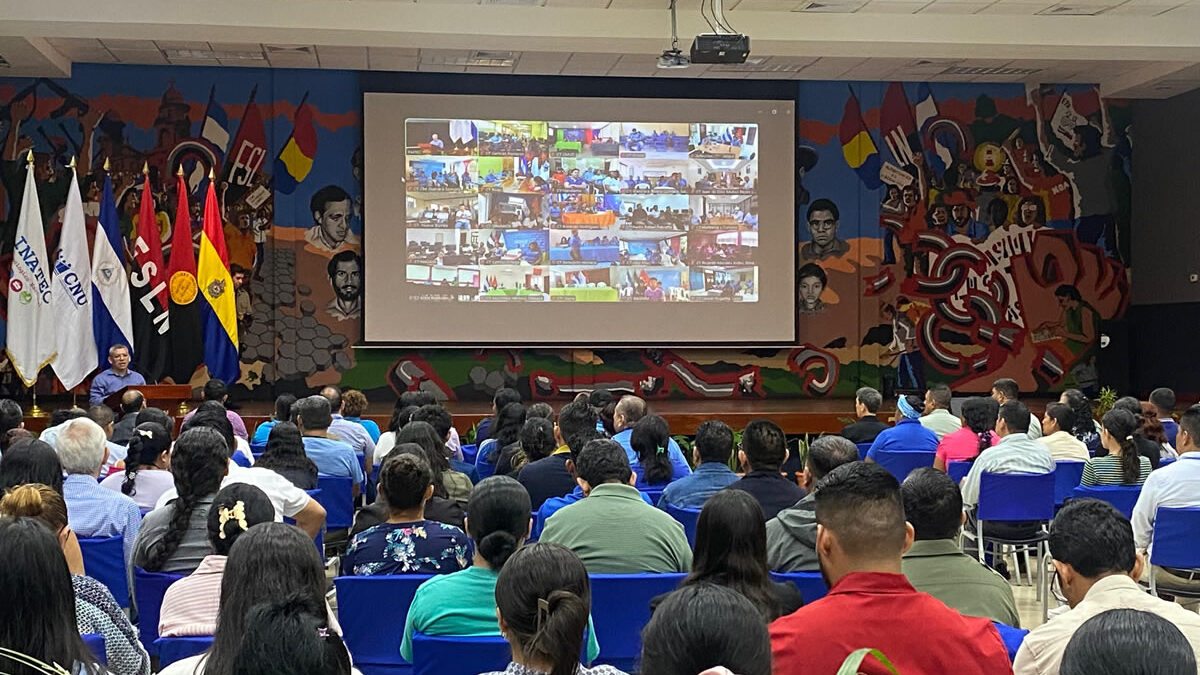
(1057, 436)
(1004, 390)
(937, 417)
(1173, 486)
(1015, 453)
(1097, 567)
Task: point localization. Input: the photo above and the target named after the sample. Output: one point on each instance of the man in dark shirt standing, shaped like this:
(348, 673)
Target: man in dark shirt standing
(763, 451)
(868, 426)
(551, 476)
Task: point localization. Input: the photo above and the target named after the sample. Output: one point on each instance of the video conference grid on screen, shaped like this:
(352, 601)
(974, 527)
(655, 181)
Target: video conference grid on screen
(518, 211)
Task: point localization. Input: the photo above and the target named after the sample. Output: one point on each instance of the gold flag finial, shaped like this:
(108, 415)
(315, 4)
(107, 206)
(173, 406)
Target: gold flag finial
(212, 175)
(107, 164)
(29, 157)
(146, 167)
(72, 164)
(179, 171)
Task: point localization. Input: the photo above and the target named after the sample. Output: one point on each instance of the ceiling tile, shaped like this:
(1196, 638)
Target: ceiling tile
(1129, 9)
(881, 7)
(589, 63)
(350, 58)
(593, 4)
(541, 63)
(129, 44)
(428, 67)
(183, 44)
(769, 5)
(955, 8)
(830, 67)
(147, 56)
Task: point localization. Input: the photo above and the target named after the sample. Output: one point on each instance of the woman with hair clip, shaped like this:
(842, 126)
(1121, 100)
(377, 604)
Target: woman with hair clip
(190, 605)
(1122, 465)
(38, 613)
(650, 439)
(285, 456)
(1086, 429)
(976, 435)
(705, 628)
(174, 538)
(447, 482)
(543, 602)
(268, 562)
(31, 461)
(147, 466)
(290, 637)
(95, 609)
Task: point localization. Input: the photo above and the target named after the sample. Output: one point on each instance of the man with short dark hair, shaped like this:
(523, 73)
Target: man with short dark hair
(332, 457)
(351, 433)
(868, 426)
(215, 390)
(345, 278)
(822, 220)
(937, 417)
(935, 564)
(1057, 436)
(1176, 485)
(631, 409)
(331, 208)
(861, 535)
(443, 423)
(613, 530)
(132, 402)
(792, 534)
(711, 453)
(116, 377)
(763, 451)
(551, 476)
(1164, 401)
(1004, 390)
(1097, 566)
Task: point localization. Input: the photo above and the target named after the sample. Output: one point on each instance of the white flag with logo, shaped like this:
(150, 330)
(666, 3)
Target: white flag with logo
(30, 318)
(72, 301)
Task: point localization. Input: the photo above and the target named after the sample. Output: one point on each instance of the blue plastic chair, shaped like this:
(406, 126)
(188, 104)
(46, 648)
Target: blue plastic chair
(172, 649)
(863, 448)
(148, 591)
(1166, 461)
(653, 494)
(435, 655)
(958, 470)
(337, 496)
(104, 561)
(241, 460)
(95, 645)
(687, 518)
(1067, 475)
(811, 584)
(469, 453)
(900, 464)
(621, 608)
(372, 638)
(1012, 637)
(1174, 544)
(1017, 497)
(483, 467)
(1122, 497)
(257, 449)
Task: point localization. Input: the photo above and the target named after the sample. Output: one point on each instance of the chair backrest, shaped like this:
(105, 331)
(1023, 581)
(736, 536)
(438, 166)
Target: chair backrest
(435, 655)
(1012, 637)
(900, 464)
(958, 470)
(1067, 475)
(688, 518)
(148, 591)
(811, 584)
(337, 496)
(1165, 461)
(104, 561)
(469, 453)
(1122, 497)
(863, 448)
(374, 638)
(241, 460)
(1016, 496)
(95, 645)
(172, 649)
(482, 466)
(1175, 543)
(621, 608)
(653, 494)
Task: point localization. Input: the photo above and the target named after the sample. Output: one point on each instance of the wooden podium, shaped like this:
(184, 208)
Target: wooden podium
(172, 398)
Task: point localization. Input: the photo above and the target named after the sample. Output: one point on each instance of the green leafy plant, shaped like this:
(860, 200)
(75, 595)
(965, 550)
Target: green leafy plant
(469, 437)
(852, 663)
(1104, 402)
(29, 662)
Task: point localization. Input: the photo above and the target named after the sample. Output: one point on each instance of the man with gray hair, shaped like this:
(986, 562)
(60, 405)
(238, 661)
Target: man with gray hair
(332, 457)
(792, 534)
(93, 511)
(868, 426)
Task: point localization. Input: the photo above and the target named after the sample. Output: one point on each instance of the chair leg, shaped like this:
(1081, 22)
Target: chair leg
(1028, 567)
(979, 541)
(1044, 581)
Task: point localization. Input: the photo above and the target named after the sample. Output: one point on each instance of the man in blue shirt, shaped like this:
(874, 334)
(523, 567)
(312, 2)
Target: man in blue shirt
(116, 378)
(1164, 401)
(909, 435)
(332, 457)
(93, 511)
(629, 410)
(352, 433)
(714, 446)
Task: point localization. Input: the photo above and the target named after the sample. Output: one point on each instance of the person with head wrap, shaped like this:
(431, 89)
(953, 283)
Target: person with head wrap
(909, 435)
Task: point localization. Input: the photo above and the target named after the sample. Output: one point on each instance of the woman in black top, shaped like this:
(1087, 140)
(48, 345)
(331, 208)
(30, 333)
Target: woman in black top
(285, 456)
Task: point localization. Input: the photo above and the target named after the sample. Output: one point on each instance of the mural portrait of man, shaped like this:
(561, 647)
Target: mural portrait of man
(345, 276)
(331, 207)
(822, 219)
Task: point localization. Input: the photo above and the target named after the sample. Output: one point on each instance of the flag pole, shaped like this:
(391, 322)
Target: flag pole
(35, 411)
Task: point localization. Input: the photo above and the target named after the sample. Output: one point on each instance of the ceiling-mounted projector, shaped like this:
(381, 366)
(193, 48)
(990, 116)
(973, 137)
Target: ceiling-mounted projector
(720, 48)
(673, 58)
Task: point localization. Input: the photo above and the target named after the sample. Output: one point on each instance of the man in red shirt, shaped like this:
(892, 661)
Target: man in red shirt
(861, 534)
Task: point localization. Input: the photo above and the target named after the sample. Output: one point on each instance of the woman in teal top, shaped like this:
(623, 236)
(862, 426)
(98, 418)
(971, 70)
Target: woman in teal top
(463, 604)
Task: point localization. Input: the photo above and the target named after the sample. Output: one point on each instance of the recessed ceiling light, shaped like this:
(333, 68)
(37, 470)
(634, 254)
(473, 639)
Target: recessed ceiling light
(830, 7)
(968, 70)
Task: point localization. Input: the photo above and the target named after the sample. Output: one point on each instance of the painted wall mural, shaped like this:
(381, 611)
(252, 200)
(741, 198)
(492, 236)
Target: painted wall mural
(945, 232)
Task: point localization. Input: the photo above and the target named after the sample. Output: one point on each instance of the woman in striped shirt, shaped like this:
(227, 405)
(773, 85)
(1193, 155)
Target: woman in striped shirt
(1123, 465)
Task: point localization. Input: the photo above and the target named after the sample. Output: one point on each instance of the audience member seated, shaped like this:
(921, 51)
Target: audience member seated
(705, 628)
(439, 507)
(407, 543)
(1097, 567)
(1086, 429)
(1057, 435)
(216, 391)
(935, 564)
(1122, 465)
(190, 606)
(631, 409)
(537, 442)
(1174, 486)
(599, 528)
(909, 435)
(103, 416)
(94, 511)
(937, 417)
(763, 451)
(268, 562)
(501, 398)
(1152, 428)
(283, 413)
(285, 455)
(551, 476)
(212, 409)
(147, 472)
(132, 402)
(174, 538)
(291, 635)
(976, 435)
(37, 500)
(1163, 400)
(649, 441)
(505, 440)
(332, 457)
(861, 539)
(30, 461)
(35, 582)
(1004, 390)
(711, 452)
(1128, 642)
(443, 423)
(354, 406)
(11, 417)
(352, 433)
(456, 484)
(868, 426)
(1147, 448)
(543, 602)
(792, 534)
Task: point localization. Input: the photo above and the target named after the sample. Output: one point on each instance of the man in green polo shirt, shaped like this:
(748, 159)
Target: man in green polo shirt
(612, 530)
(935, 565)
